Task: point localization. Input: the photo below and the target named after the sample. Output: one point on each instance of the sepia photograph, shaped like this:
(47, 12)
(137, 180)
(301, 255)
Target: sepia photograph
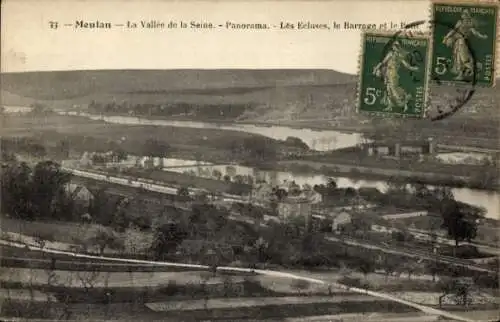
(333, 161)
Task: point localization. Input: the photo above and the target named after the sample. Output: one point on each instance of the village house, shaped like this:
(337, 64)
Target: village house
(294, 207)
(261, 194)
(383, 229)
(399, 149)
(340, 220)
(86, 160)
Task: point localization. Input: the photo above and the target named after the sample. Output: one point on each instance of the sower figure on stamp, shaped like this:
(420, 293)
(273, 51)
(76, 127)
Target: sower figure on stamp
(388, 70)
(457, 39)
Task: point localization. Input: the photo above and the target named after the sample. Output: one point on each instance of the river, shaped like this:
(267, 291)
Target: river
(320, 140)
(489, 200)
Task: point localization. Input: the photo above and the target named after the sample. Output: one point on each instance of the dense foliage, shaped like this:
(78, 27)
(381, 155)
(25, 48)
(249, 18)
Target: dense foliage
(41, 192)
(202, 111)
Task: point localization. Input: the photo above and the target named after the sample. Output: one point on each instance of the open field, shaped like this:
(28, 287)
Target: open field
(266, 313)
(299, 309)
(251, 302)
(88, 135)
(63, 232)
(376, 306)
(99, 279)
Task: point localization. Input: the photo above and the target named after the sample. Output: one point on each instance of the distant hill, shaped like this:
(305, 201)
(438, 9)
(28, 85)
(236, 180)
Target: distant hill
(274, 95)
(59, 85)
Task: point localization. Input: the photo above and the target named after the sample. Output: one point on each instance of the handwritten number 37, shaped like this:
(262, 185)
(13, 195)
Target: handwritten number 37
(415, 58)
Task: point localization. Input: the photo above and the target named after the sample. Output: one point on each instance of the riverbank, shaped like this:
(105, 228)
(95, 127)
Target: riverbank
(448, 133)
(300, 124)
(387, 174)
(209, 143)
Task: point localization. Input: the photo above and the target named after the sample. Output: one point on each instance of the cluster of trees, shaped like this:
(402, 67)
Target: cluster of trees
(228, 176)
(460, 220)
(255, 149)
(488, 175)
(204, 111)
(156, 148)
(457, 218)
(39, 192)
(151, 148)
(32, 147)
(10, 146)
(207, 230)
(39, 109)
(115, 155)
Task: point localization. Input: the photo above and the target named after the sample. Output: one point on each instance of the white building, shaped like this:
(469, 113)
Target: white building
(86, 160)
(340, 219)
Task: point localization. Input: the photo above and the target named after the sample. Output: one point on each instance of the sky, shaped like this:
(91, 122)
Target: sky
(29, 44)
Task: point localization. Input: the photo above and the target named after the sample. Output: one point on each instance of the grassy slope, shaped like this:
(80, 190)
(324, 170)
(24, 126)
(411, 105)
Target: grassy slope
(88, 135)
(75, 84)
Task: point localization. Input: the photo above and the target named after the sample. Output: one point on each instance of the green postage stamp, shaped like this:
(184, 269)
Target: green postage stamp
(464, 38)
(393, 74)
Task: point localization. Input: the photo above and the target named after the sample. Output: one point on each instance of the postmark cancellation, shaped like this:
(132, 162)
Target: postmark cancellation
(464, 41)
(393, 73)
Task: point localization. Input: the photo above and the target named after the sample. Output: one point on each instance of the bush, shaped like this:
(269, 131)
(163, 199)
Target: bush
(47, 236)
(300, 285)
(463, 251)
(171, 289)
(401, 236)
(354, 282)
(487, 281)
(21, 309)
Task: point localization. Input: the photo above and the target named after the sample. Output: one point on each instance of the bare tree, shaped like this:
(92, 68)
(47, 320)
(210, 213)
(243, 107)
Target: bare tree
(227, 282)
(300, 285)
(205, 289)
(104, 238)
(88, 280)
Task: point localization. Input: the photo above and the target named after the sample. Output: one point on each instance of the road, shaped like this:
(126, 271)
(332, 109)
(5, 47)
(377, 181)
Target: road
(481, 247)
(423, 308)
(410, 252)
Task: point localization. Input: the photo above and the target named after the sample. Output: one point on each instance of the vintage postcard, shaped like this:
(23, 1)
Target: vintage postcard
(249, 160)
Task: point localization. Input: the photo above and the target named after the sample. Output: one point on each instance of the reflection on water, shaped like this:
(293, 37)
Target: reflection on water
(321, 140)
(16, 109)
(486, 199)
(464, 157)
(318, 140)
